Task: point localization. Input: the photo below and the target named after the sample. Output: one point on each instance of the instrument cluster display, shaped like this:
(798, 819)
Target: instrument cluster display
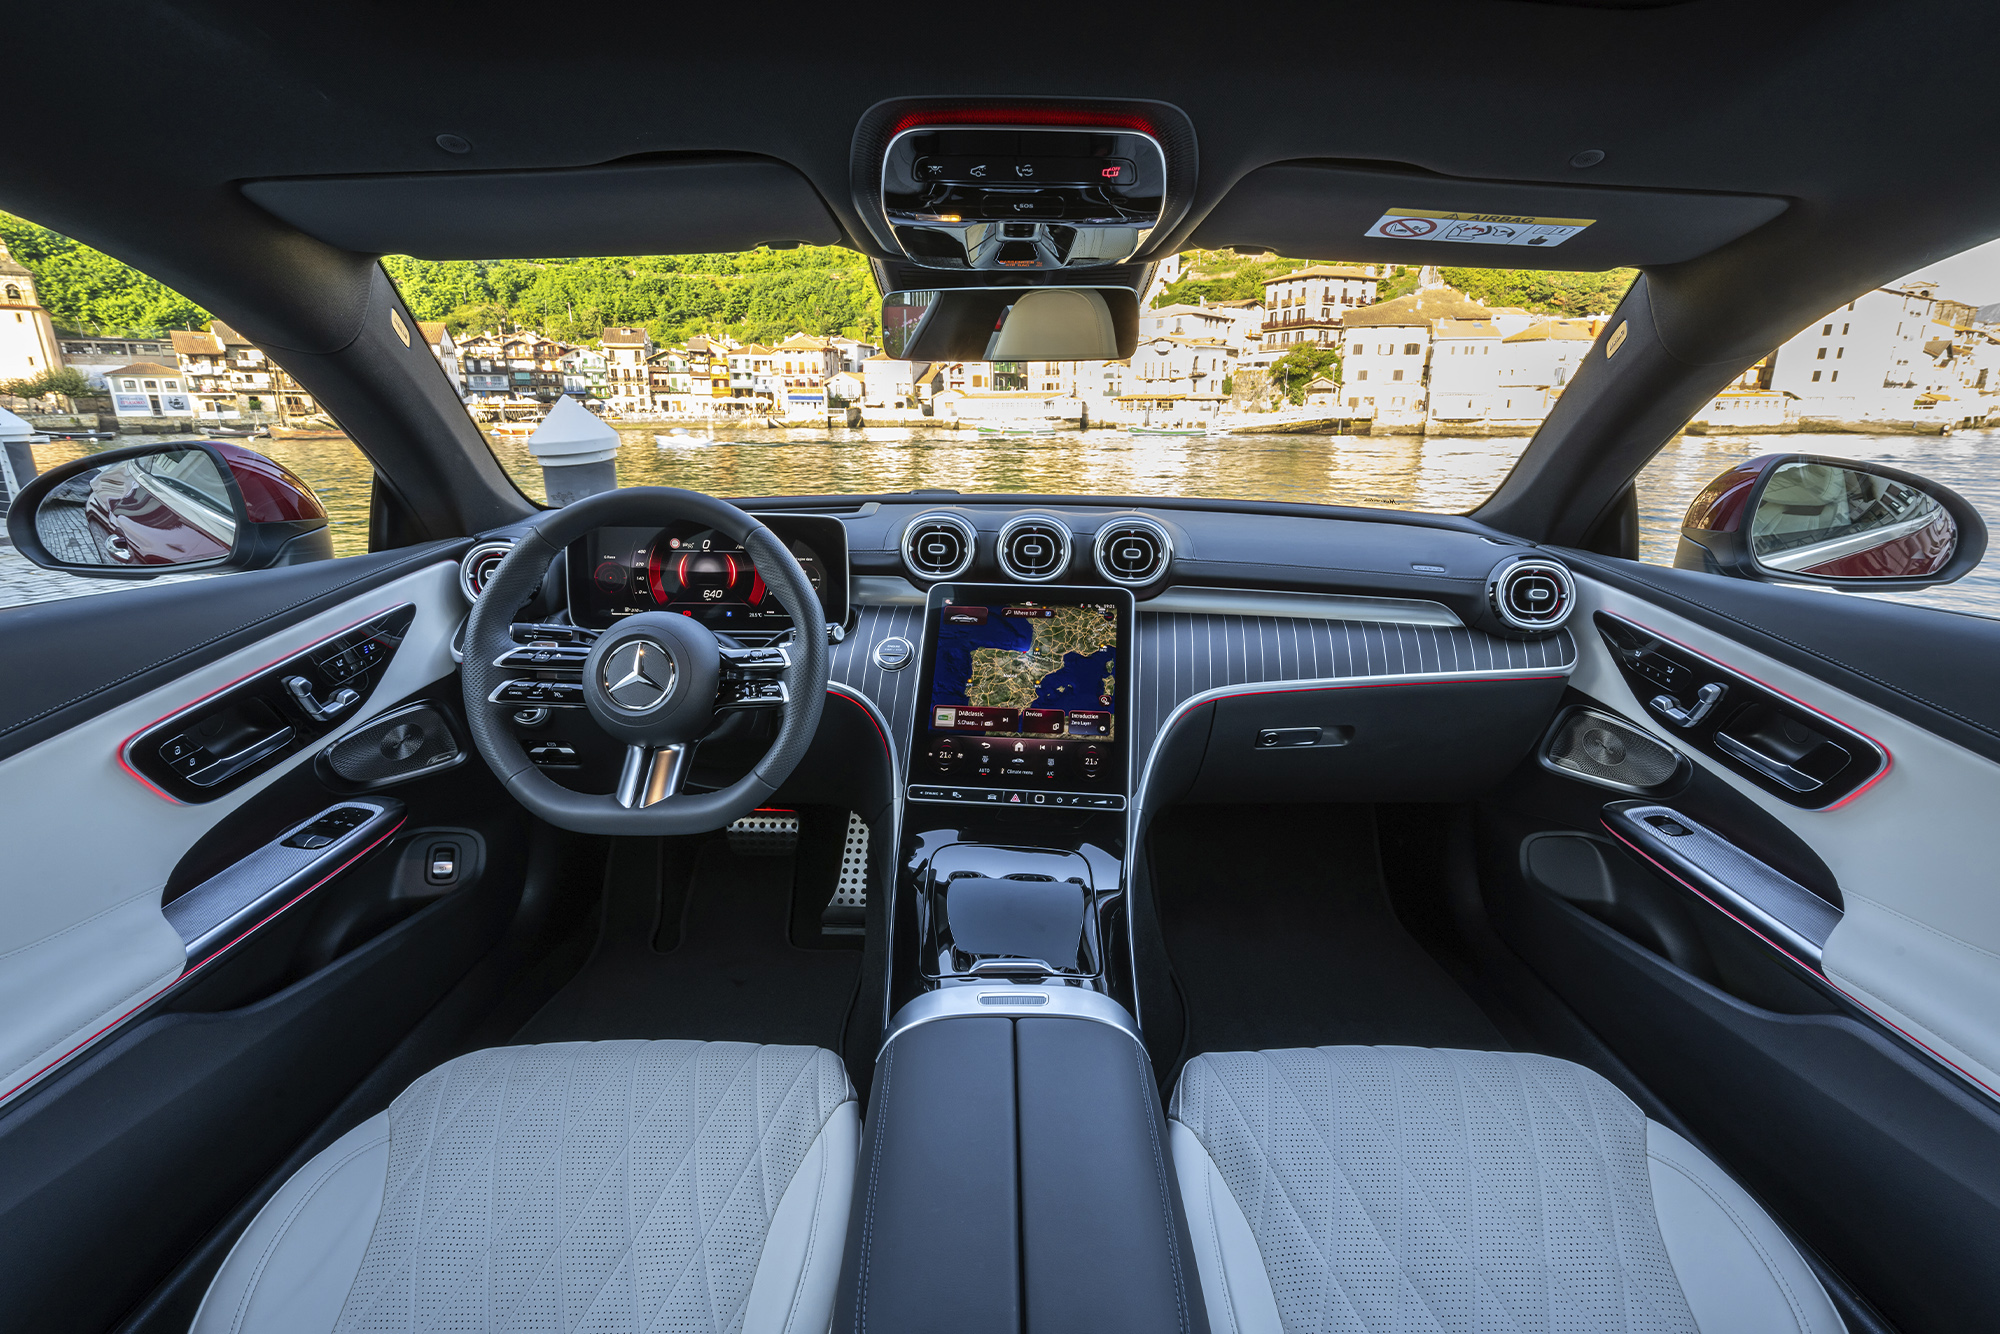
(694, 570)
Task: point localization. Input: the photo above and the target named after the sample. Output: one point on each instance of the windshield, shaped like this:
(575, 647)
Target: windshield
(1258, 377)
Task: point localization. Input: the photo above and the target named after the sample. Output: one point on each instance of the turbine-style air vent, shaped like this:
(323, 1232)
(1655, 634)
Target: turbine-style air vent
(1133, 551)
(938, 546)
(1534, 596)
(1034, 548)
(477, 566)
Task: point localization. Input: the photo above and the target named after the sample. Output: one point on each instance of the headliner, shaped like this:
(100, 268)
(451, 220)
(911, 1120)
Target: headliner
(1861, 115)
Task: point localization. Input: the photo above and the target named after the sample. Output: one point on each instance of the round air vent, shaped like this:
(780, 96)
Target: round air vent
(478, 565)
(1133, 551)
(1534, 596)
(1034, 548)
(938, 546)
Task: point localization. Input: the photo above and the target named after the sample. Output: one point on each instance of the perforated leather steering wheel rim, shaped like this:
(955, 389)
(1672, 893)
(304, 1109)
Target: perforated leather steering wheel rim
(488, 635)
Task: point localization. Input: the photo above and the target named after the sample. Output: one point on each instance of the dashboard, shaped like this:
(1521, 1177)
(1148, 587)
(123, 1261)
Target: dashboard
(696, 571)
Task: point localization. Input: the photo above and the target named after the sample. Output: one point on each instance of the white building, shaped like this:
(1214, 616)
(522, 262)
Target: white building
(1464, 370)
(1864, 361)
(27, 337)
(1308, 306)
(94, 355)
(1171, 364)
(629, 384)
(852, 352)
(1537, 363)
(1386, 354)
(887, 382)
(446, 351)
(148, 389)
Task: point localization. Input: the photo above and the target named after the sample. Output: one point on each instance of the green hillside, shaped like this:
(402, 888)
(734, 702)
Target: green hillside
(87, 291)
(755, 295)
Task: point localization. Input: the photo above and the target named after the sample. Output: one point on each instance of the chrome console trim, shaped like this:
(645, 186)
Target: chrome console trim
(1305, 606)
(965, 1000)
(239, 898)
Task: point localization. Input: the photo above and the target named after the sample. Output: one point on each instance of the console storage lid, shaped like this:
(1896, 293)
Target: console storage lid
(1015, 1177)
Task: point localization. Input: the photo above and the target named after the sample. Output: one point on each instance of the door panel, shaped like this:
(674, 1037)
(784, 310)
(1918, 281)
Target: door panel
(1918, 945)
(83, 941)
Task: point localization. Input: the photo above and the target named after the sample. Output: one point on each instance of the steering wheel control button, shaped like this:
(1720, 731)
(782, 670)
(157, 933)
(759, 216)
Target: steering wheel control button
(544, 657)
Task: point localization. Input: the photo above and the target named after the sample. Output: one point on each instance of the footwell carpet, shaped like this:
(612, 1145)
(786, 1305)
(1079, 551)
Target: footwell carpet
(696, 944)
(1280, 934)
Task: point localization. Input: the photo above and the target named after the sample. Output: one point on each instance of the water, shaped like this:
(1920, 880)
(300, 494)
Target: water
(1445, 475)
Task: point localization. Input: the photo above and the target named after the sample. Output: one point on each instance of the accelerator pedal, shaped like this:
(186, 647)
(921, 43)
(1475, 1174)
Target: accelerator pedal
(765, 833)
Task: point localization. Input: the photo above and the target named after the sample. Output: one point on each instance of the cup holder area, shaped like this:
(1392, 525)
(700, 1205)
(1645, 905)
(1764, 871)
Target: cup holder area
(999, 913)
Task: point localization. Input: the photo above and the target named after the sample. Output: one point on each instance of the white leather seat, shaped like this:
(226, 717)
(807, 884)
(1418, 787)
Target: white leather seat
(1402, 1188)
(581, 1185)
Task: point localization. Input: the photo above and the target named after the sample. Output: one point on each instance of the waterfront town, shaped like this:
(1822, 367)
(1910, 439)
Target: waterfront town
(1432, 361)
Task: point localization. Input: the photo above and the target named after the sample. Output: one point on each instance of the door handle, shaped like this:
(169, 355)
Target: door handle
(339, 702)
(1705, 700)
(1768, 765)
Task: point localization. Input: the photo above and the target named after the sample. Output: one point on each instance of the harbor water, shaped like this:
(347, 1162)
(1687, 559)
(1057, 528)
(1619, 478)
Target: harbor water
(1440, 474)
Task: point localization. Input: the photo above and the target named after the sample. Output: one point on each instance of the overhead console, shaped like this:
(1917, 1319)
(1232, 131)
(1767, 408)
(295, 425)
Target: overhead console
(1022, 187)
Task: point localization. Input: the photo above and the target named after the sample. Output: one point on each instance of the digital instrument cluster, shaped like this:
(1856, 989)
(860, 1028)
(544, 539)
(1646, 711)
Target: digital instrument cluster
(696, 571)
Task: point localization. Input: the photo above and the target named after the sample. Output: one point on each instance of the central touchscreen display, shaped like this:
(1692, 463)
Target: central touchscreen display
(1023, 697)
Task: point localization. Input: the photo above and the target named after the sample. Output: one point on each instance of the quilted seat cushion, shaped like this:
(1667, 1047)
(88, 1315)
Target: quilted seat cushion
(575, 1186)
(1376, 1189)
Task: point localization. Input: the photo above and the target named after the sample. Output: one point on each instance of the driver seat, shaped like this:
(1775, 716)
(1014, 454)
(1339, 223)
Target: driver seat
(602, 1185)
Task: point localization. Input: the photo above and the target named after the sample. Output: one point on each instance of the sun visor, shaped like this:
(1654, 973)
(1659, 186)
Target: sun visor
(688, 206)
(1306, 208)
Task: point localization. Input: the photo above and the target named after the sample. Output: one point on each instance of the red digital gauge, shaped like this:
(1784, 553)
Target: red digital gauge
(611, 576)
(756, 588)
(656, 578)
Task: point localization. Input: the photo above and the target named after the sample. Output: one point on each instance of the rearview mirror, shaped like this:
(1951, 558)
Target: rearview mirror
(1011, 324)
(175, 508)
(1795, 518)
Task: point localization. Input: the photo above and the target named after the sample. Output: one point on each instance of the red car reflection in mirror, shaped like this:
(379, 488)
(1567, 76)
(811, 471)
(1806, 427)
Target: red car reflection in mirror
(177, 508)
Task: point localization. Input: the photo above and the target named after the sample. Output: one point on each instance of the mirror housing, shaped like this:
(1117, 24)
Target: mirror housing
(173, 508)
(1011, 324)
(1803, 519)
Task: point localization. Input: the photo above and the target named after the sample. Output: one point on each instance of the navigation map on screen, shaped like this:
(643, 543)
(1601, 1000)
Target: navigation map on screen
(1026, 671)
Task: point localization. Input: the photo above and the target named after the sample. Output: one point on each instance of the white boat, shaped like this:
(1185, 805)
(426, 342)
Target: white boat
(1017, 430)
(681, 438)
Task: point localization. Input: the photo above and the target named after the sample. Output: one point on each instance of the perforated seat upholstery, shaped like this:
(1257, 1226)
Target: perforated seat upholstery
(605, 1186)
(1371, 1189)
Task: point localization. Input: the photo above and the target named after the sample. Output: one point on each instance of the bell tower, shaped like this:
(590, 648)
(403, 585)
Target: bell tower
(27, 337)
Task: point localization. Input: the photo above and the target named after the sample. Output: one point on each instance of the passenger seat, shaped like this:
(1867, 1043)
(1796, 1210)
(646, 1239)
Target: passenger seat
(1374, 1188)
(574, 1185)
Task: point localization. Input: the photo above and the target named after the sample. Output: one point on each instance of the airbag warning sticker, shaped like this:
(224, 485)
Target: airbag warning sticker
(1422, 224)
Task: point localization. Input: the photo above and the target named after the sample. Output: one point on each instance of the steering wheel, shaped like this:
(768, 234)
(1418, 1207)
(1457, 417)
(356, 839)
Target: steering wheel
(655, 681)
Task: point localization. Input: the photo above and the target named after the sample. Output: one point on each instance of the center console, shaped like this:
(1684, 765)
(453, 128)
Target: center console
(1018, 780)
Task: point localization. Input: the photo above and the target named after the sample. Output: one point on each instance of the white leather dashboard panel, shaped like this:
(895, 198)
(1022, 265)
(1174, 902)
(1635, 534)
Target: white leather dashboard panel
(1919, 944)
(82, 939)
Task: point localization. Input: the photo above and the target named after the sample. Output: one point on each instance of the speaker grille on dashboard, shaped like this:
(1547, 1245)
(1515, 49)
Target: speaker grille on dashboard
(401, 745)
(1600, 749)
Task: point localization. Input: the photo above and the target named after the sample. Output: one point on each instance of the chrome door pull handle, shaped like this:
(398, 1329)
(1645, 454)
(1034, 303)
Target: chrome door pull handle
(1772, 768)
(339, 702)
(1705, 701)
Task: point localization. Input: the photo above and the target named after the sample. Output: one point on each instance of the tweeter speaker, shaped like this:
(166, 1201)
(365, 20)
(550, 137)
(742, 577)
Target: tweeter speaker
(1610, 752)
(409, 743)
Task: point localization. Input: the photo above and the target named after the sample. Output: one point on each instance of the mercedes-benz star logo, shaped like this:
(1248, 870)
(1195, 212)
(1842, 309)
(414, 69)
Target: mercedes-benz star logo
(638, 675)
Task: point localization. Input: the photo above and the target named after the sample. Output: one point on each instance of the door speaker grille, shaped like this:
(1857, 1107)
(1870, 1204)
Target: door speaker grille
(1601, 749)
(406, 744)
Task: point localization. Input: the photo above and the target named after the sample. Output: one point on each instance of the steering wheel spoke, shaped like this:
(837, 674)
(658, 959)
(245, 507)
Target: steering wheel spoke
(651, 774)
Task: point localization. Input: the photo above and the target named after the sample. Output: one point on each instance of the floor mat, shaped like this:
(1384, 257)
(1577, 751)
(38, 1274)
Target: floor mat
(731, 974)
(1280, 935)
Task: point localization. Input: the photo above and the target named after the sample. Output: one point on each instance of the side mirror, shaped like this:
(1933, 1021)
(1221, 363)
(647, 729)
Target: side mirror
(1011, 324)
(1798, 519)
(168, 509)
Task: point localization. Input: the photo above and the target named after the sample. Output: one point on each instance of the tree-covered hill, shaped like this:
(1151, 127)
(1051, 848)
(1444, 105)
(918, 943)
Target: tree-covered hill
(756, 295)
(1224, 275)
(87, 291)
